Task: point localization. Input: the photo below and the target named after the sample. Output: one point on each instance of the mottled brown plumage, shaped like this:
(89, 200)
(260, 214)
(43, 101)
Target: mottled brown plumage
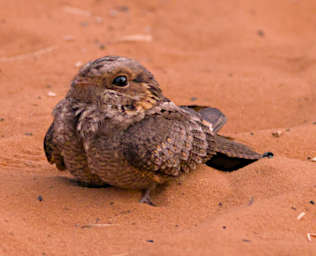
(116, 127)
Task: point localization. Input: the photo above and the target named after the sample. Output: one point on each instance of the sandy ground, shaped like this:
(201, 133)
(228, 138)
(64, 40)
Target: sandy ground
(255, 60)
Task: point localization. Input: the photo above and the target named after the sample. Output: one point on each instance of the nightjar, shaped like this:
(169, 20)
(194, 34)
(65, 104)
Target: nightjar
(116, 127)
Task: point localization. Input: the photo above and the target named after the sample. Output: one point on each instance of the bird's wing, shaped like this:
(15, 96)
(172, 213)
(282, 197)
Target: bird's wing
(52, 153)
(212, 115)
(169, 143)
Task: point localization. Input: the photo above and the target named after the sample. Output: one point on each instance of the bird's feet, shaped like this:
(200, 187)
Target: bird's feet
(146, 197)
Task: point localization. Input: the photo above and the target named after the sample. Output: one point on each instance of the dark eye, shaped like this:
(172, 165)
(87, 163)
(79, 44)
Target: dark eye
(120, 81)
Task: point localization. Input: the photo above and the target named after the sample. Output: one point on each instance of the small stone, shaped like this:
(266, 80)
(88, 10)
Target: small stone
(84, 23)
(246, 240)
(251, 133)
(193, 98)
(268, 154)
(260, 33)
(123, 8)
(51, 94)
(1, 119)
(150, 241)
(113, 13)
(223, 227)
(277, 133)
(101, 46)
(251, 201)
(40, 198)
(28, 134)
(78, 64)
(312, 202)
(125, 212)
(98, 19)
(69, 38)
(220, 204)
(313, 159)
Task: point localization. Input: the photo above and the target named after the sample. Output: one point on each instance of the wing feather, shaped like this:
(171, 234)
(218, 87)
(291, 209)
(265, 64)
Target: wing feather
(169, 142)
(52, 153)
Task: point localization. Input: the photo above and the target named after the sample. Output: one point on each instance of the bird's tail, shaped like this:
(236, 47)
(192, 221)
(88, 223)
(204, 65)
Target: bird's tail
(231, 155)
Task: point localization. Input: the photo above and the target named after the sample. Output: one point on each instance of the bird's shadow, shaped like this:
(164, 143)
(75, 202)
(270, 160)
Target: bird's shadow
(77, 183)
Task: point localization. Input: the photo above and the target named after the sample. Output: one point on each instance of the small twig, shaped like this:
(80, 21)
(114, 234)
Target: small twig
(310, 235)
(27, 55)
(136, 38)
(51, 94)
(97, 225)
(76, 11)
(301, 215)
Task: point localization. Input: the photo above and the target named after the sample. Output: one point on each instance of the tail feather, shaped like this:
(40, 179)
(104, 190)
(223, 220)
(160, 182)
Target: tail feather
(231, 155)
(234, 149)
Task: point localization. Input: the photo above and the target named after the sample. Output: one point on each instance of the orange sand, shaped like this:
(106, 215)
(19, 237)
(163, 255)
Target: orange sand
(254, 60)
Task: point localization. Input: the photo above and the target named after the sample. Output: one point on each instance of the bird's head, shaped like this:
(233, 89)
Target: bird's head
(116, 81)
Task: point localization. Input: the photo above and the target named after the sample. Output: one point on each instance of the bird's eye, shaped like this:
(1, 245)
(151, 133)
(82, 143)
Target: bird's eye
(120, 81)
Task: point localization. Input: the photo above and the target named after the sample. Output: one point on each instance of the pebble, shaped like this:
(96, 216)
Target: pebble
(313, 159)
(51, 94)
(78, 64)
(113, 13)
(277, 133)
(123, 8)
(260, 33)
(84, 23)
(98, 20)
(69, 38)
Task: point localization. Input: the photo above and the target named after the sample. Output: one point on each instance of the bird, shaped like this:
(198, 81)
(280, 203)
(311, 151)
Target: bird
(115, 127)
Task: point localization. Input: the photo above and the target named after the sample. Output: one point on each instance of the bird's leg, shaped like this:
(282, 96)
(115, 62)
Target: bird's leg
(146, 195)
